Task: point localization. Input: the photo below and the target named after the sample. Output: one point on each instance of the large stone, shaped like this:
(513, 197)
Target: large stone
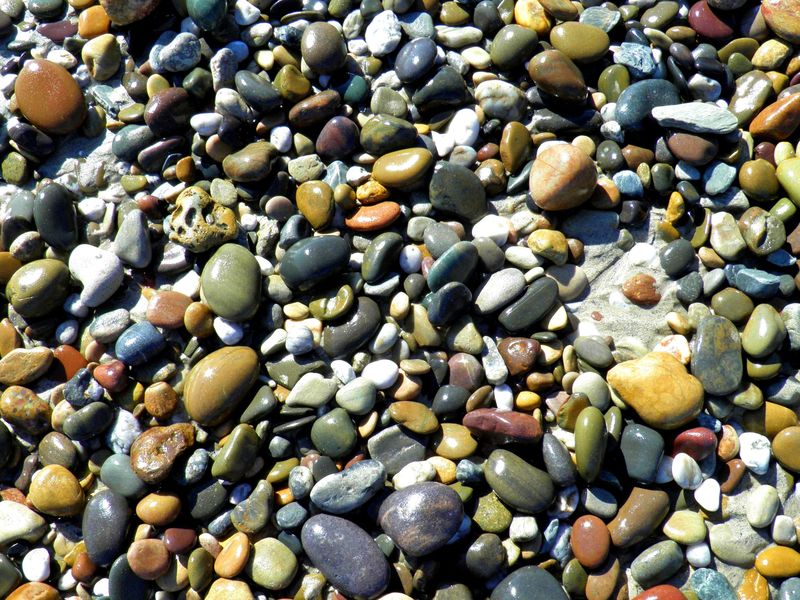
(562, 177)
(660, 390)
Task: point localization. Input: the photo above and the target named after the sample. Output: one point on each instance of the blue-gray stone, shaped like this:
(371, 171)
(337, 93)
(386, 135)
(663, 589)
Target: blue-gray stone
(717, 356)
(346, 490)
(529, 583)
(642, 449)
(415, 59)
(711, 585)
(207, 14)
(138, 344)
(757, 283)
(629, 184)
(637, 100)
(718, 177)
(417, 25)
(790, 589)
(781, 258)
(291, 516)
(346, 555)
(105, 524)
(637, 58)
(600, 16)
(124, 584)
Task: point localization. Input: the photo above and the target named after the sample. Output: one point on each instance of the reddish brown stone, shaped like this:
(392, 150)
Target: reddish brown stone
(49, 97)
(315, 110)
(166, 309)
(154, 451)
(179, 540)
(465, 371)
(68, 361)
(641, 289)
(777, 121)
(794, 240)
(730, 475)
(694, 149)
(661, 592)
(590, 541)
(83, 569)
(374, 217)
(601, 584)
(148, 558)
(503, 427)
(636, 155)
(638, 517)
(518, 353)
(711, 24)
(112, 375)
(698, 443)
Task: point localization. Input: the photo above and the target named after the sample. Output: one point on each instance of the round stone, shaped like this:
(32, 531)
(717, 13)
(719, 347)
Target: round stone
(49, 97)
(562, 177)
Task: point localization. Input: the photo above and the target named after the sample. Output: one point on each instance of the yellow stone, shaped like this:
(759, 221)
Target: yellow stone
(778, 561)
(528, 400)
(531, 14)
(753, 586)
(454, 441)
(660, 390)
(685, 527)
(56, 491)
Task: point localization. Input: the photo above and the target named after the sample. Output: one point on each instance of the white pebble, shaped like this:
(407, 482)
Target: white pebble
(100, 588)
(755, 451)
(444, 143)
(36, 565)
(245, 13)
(504, 397)
(383, 34)
(228, 332)
(383, 373)
(414, 472)
(67, 332)
(494, 227)
(206, 124)
(708, 495)
(343, 371)
(249, 222)
(686, 471)
(187, 284)
(783, 531)
(299, 340)
(99, 271)
(75, 307)
(642, 255)
(410, 259)
(698, 555)
(66, 581)
(92, 208)
(523, 529)
(356, 176)
(281, 138)
(265, 266)
(464, 127)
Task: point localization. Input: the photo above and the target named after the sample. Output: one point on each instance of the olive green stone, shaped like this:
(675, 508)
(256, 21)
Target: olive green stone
(315, 202)
(38, 288)
(567, 414)
(384, 133)
(10, 577)
(491, 515)
(251, 163)
(15, 169)
(732, 304)
(762, 232)
(518, 483)
(717, 356)
(685, 527)
(764, 332)
(463, 336)
(272, 565)
(784, 209)
(574, 578)
(764, 368)
(613, 81)
(231, 283)
(333, 304)
(133, 183)
(512, 45)
(237, 455)
(334, 434)
(739, 64)
(750, 398)
(788, 173)
(758, 180)
(198, 82)
(117, 474)
(253, 514)
(388, 102)
(581, 42)
(381, 256)
(291, 84)
(614, 422)
(358, 396)
(658, 563)
(660, 15)
(456, 264)
(54, 449)
(345, 338)
(421, 329)
(452, 14)
(744, 45)
(200, 568)
(590, 443)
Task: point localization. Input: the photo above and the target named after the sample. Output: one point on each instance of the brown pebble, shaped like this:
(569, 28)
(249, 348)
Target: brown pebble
(149, 558)
(590, 541)
(112, 375)
(34, 591)
(49, 97)
(179, 540)
(160, 399)
(374, 217)
(83, 569)
(233, 558)
(641, 289)
(731, 474)
(154, 451)
(69, 360)
(601, 584)
(199, 320)
(158, 509)
(167, 309)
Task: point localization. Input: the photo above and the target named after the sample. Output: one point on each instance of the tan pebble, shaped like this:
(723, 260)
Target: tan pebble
(233, 557)
(158, 509)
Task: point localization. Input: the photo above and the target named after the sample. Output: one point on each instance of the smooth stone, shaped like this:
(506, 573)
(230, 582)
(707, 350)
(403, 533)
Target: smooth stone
(709, 584)
(138, 344)
(168, 111)
(456, 190)
(395, 448)
(213, 389)
(334, 434)
(785, 446)
(345, 491)
(54, 215)
(105, 522)
(18, 522)
(231, 283)
(207, 14)
(590, 443)
(420, 531)
(402, 168)
(717, 356)
(517, 483)
(764, 332)
(499, 290)
(530, 583)
(49, 97)
(511, 45)
(656, 564)
(456, 265)
(346, 555)
(345, 338)
(118, 475)
(590, 541)
(313, 260)
(415, 59)
(323, 48)
(638, 517)
(554, 73)
(238, 453)
(658, 387)
(271, 565)
(781, 16)
(537, 300)
(380, 256)
(383, 134)
(562, 177)
(503, 426)
(581, 42)
(642, 449)
(38, 288)
(696, 117)
(250, 164)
